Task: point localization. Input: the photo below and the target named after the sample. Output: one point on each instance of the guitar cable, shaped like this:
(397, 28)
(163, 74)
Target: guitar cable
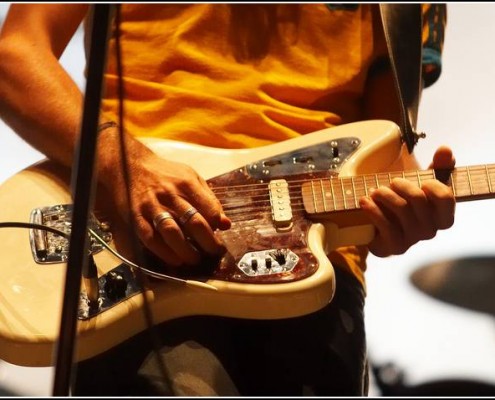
(156, 275)
(154, 337)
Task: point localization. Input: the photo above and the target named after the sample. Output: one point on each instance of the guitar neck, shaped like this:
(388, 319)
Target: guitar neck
(341, 194)
(473, 182)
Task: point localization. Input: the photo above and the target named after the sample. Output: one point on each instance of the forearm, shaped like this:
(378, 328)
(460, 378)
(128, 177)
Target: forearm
(44, 111)
(39, 99)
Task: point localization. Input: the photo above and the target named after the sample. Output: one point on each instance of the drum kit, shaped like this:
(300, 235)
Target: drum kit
(468, 283)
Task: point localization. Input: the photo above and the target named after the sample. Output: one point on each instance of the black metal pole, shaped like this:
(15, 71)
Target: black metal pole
(83, 187)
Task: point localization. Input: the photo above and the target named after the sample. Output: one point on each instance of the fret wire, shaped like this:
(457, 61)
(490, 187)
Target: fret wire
(419, 178)
(469, 180)
(488, 177)
(323, 195)
(452, 180)
(389, 179)
(343, 193)
(395, 175)
(377, 183)
(481, 179)
(313, 194)
(354, 192)
(333, 194)
(365, 187)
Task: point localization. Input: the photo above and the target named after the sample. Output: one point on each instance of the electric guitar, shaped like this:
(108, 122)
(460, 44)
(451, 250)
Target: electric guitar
(291, 204)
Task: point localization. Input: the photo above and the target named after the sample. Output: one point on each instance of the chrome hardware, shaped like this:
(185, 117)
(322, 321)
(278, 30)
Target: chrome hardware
(268, 262)
(48, 247)
(280, 203)
(114, 287)
(320, 157)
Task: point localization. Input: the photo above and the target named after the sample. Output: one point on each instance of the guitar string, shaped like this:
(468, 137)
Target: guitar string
(264, 204)
(410, 175)
(473, 175)
(357, 186)
(339, 200)
(357, 193)
(473, 180)
(369, 176)
(65, 235)
(477, 176)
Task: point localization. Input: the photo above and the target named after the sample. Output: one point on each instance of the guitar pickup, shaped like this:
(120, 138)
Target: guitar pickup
(280, 204)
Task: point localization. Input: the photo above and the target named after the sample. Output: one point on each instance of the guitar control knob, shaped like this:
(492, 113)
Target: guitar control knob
(115, 286)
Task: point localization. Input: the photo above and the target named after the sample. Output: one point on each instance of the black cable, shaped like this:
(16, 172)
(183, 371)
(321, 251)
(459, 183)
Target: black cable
(132, 232)
(34, 226)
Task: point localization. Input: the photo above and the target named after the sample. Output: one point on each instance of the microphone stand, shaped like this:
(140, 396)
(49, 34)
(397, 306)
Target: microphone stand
(83, 187)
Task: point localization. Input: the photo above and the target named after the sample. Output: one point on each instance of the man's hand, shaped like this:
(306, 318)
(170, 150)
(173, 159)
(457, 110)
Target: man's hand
(174, 211)
(404, 214)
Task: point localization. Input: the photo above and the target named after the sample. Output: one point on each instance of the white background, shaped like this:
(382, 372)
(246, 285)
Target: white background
(428, 339)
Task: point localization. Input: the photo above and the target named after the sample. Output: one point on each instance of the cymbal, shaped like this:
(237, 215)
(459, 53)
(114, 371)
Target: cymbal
(467, 282)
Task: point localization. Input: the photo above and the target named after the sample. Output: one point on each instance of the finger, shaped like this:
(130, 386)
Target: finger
(443, 202)
(443, 158)
(423, 226)
(395, 208)
(387, 233)
(198, 194)
(199, 230)
(213, 212)
(152, 239)
(173, 236)
(165, 238)
(195, 225)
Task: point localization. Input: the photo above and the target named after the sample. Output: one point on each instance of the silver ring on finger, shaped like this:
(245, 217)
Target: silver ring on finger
(161, 217)
(187, 215)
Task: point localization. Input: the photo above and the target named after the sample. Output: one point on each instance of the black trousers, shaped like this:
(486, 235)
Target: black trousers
(321, 354)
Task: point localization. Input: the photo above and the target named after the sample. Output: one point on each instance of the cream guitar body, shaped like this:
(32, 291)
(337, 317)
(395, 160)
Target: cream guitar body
(276, 265)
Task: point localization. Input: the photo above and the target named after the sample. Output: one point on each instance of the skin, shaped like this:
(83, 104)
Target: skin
(33, 38)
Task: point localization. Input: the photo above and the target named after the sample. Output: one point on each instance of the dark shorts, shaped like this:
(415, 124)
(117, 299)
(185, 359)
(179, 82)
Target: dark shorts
(321, 354)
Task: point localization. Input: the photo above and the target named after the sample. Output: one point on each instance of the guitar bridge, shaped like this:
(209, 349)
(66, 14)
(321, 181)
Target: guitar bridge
(50, 248)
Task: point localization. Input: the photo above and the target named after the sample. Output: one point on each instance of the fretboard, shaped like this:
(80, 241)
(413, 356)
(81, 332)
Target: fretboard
(340, 194)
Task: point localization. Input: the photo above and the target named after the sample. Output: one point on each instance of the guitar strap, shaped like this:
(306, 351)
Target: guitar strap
(402, 25)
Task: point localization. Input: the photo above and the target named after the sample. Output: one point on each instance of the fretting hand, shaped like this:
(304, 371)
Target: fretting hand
(404, 214)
